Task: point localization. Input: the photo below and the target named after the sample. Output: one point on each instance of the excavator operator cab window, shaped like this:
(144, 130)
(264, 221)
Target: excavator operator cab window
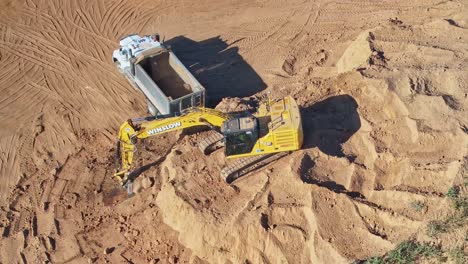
(240, 134)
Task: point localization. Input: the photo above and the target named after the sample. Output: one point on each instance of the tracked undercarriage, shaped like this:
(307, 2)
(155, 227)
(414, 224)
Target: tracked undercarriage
(238, 167)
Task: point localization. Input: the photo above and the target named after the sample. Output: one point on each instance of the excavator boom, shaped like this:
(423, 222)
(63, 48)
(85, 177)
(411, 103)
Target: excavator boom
(132, 130)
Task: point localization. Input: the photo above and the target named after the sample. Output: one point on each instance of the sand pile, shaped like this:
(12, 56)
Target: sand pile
(383, 93)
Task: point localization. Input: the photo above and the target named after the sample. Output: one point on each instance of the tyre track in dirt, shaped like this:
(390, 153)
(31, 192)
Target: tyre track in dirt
(51, 49)
(8, 163)
(64, 100)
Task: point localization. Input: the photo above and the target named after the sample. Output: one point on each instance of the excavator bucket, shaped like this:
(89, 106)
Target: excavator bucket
(115, 196)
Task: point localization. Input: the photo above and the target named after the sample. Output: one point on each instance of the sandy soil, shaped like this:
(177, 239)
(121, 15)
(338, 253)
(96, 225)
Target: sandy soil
(383, 89)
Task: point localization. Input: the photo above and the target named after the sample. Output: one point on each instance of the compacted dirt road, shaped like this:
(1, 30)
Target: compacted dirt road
(382, 87)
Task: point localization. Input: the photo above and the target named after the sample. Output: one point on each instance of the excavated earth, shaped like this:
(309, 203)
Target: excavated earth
(383, 91)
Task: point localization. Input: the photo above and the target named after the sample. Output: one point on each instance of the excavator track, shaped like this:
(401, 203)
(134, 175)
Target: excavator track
(211, 143)
(246, 165)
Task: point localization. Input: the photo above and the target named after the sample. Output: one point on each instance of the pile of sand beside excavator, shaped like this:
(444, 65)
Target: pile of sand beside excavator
(383, 92)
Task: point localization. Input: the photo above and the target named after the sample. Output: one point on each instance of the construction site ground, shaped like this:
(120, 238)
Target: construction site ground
(383, 91)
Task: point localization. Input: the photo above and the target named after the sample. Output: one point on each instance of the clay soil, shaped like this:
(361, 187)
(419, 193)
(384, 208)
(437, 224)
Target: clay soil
(382, 87)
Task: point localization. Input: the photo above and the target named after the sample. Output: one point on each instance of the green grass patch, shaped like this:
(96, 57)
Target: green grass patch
(453, 192)
(406, 253)
(437, 227)
(453, 221)
(418, 206)
(458, 256)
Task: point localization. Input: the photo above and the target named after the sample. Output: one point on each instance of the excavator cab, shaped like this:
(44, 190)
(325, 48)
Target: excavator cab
(240, 135)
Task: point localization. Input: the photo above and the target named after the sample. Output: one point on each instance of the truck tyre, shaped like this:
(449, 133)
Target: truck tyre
(152, 109)
(117, 65)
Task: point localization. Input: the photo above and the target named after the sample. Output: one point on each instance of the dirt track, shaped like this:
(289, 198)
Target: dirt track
(383, 90)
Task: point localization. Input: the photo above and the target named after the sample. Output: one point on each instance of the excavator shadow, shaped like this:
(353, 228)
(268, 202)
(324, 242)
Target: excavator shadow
(330, 123)
(218, 67)
(139, 170)
(327, 125)
(333, 186)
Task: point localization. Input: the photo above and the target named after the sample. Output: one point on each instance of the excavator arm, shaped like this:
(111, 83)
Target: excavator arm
(142, 128)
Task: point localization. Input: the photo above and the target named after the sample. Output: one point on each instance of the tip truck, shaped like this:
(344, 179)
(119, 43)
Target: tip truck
(155, 70)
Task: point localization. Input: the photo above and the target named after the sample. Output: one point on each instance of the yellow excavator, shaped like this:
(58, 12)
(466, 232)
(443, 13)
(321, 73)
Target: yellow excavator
(255, 139)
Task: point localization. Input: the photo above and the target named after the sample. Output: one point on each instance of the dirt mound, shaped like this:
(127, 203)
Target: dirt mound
(383, 94)
(236, 104)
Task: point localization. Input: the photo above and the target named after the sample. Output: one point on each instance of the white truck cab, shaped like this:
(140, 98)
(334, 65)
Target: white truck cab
(131, 46)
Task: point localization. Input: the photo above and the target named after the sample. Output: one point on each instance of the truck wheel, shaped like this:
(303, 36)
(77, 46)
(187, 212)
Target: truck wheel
(117, 65)
(152, 109)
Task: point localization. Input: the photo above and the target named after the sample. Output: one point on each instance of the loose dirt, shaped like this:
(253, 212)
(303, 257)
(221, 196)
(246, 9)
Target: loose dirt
(383, 90)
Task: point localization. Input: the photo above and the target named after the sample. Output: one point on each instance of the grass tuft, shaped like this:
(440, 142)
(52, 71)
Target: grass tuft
(458, 256)
(375, 260)
(453, 221)
(418, 206)
(437, 227)
(406, 253)
(453, 192)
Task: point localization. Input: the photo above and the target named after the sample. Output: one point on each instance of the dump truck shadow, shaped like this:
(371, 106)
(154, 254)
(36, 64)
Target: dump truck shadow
(218, 67)
(330, 123)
